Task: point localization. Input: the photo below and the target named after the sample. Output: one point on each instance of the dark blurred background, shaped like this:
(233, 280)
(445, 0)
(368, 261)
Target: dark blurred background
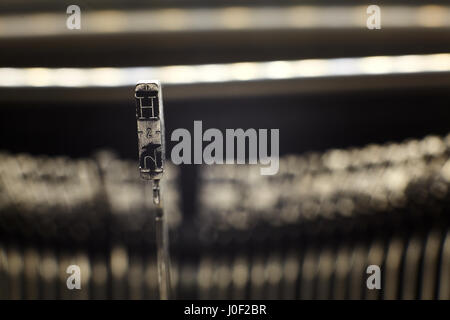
(377, 98)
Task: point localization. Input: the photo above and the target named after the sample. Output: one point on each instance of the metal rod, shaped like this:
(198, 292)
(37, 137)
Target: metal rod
(162, 244)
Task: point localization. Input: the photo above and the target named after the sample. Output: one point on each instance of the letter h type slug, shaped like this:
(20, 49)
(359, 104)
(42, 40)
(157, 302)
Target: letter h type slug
(150, 129)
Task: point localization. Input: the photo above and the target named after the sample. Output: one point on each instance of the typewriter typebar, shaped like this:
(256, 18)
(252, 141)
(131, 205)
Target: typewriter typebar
(150, 130)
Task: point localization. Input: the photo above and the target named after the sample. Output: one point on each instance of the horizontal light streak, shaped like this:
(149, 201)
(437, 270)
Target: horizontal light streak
(220, 73)
(220, 19)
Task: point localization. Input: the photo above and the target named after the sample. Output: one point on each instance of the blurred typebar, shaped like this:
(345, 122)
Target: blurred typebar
(307, 233)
